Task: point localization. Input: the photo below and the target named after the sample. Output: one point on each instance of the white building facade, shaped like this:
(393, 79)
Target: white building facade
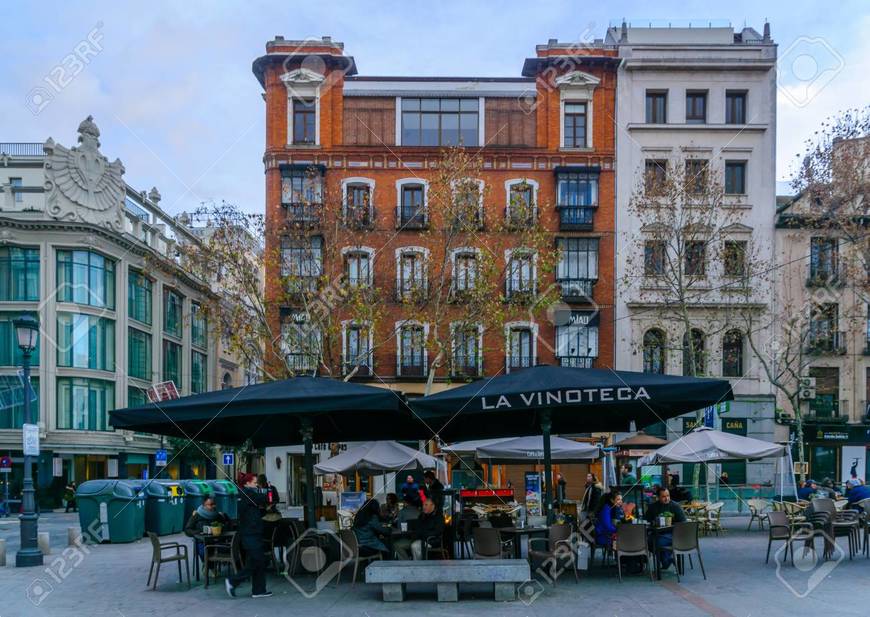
(709, 94)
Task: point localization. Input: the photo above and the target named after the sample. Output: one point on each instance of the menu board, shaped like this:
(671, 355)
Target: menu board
(533, 493)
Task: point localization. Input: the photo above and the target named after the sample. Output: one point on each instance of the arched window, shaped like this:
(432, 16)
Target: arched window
(732, 354)
(694, 352)
(654, 351)
(227, 381)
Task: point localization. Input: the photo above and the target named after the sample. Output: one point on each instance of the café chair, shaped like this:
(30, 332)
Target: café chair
(685, 542)
(434, 545)
(488, 544)
(158, 558)
(559, 552)
(464, 537)
(758, 510)
(222, 554)
(847, 524)
(779, 528)
(713, 523)
(631, 542)
(348, 540)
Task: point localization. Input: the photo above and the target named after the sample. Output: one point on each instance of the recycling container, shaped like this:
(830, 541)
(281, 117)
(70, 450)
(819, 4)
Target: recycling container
(111, 511)
(164, 507)
(194, 492)
(226, 497)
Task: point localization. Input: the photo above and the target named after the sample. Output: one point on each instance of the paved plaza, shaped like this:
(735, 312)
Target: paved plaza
(109, 581)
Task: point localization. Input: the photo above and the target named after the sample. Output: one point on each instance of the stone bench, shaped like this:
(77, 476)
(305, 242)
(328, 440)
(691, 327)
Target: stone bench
(505, 574)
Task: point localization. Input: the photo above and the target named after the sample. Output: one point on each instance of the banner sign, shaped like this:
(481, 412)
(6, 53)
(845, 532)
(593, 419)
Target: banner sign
(351, 500)
(854, 459)
(30, 435)
(533, 493)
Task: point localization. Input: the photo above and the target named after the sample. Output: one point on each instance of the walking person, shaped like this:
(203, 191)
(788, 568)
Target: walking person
(252, 504)
(69, 496)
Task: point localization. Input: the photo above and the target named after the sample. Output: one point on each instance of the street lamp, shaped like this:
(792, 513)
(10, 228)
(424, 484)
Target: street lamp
(27, 332)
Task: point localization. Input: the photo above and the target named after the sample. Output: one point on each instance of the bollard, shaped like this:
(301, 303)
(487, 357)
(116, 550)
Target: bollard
(43, 542)
(73, 536)
(2, 553)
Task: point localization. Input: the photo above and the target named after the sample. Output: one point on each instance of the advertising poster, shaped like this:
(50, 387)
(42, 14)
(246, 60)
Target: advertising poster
(854, 459)
(352, 500)
(533, 493)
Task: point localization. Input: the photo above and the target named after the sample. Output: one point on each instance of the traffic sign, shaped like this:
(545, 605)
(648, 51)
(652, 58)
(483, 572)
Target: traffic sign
(229, 458)
(160, 458)
(5, 464)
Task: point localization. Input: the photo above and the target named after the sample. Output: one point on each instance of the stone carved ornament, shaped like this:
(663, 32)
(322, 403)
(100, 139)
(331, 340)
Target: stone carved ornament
(80, 183)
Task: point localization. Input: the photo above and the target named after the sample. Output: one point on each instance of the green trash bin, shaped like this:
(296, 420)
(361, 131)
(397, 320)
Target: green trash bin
(164, 507)
(111, 511)
(226, 497)
(194, 492)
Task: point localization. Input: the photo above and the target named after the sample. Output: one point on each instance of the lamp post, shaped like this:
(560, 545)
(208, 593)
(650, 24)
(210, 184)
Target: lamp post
(27, 332)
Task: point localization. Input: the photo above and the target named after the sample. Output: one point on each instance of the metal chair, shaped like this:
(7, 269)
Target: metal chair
(435, 544)
(348, 540)
(631, 542)
(685, 542)
(158, 558)
(464, 536)
(487, 543)
(222, 555)
(758, 510)
(559, 551)
(713, 523)
(779, 528)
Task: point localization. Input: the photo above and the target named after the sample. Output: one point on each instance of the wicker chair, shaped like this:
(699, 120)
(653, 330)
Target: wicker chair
(779, 528)
(631, 542)
(348, 541)
(488, 544)
(758, 510)
(219, 555)
(157, 558)
(713, 523)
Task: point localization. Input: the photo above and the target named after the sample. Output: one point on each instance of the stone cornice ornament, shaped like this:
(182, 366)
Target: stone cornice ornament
(80, 183)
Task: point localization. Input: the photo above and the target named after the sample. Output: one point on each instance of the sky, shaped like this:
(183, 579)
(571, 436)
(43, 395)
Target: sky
(170, 84)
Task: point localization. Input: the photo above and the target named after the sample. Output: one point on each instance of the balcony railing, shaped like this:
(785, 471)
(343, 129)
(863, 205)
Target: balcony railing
(301, 362)
(464, 366)
(411, 218)
(359, 217)
(359, 368)
(576, 361)
(519, 290)
(577, 290)
(412, 291)
(575, 218)
(22, 149)
(515, 363)
(302, 284)
(826, 342)
(518, 219)
(307, 214)
(412, 367)
(467, 221)
(824, 278)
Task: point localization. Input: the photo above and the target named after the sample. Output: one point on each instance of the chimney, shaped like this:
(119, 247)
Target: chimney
(767, 32)
(623, 34)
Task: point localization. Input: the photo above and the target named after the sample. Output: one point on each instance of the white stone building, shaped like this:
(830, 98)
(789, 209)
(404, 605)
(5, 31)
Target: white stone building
(704, 93)
(97, 263)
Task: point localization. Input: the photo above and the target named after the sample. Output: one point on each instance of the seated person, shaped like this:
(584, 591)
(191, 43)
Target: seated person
(390, 508)
(605, 528)
(857, 493)
(206, 514)
(429, 528)
(410, 511)
(665, 539)
(370, 531)
(618, 509)
(807, 491)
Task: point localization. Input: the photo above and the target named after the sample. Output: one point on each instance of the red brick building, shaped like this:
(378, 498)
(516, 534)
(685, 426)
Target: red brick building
(366, 151)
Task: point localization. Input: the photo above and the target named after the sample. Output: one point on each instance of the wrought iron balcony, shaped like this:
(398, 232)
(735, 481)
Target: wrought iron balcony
(359, 217)
(519, 219)
(301, 362)
(412, 291)
(577, 290)
(411, 218)
(360, 368)
(824, 277)
(575, 218)
(412, 367)
(515, 363)
(465, 366)
(826, 342)
(576, 361)
(304, 214)
(519, 290)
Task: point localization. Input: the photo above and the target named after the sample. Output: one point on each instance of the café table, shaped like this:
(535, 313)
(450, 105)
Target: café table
(208, 540)
(516, 534)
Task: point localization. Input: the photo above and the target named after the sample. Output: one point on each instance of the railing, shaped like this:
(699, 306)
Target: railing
(301, 362)
(411, 218)
(460, 221)
(411, 291)
(359, 217)
(575, 218)
(412, 367)
(304, 213)
(577, 290)
(518, 220)
(513, 363)
(360, 368)
(824, 278)
(464, 366)
(303, 284)
(24, 149)
(826, 342)
(519, 290)
(576, 361)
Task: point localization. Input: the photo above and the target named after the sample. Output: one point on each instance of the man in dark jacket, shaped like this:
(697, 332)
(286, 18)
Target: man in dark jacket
(252, 504)
(429, 528)
(205, 515)
(665, 538)
(434, 489)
